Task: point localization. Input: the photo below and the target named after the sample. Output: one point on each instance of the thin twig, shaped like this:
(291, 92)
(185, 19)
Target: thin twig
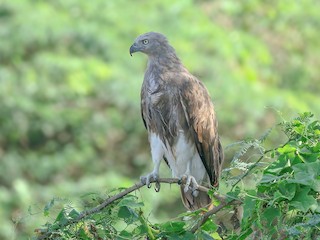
(214, 210)
(256, 163)
(247, 172)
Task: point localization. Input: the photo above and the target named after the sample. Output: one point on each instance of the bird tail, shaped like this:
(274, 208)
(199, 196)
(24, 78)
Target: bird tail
(194, 202)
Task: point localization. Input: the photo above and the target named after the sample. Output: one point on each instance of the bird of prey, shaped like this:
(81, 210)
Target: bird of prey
(180, 119)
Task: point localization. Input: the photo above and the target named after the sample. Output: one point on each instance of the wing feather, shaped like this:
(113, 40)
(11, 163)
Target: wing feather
(201, 121)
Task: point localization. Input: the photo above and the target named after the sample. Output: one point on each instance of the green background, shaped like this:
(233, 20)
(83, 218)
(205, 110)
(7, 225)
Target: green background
(70, 92)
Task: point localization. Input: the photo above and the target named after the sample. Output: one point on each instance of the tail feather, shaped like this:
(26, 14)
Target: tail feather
(193, 203)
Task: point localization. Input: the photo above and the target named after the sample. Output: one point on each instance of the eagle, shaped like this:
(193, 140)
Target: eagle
(179, 116)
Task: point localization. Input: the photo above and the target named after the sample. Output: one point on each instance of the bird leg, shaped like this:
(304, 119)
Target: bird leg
(157, 155)
(153, 176)
(191, 182)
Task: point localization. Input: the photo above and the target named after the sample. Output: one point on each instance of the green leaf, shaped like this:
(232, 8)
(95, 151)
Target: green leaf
(61, 218)
(285, 191)
(304, 202)
(233, 194)
(82, 234)
(276, 167)
(209, 226)
(286, 149)
(249, 205)
(130, 201)
(73, 214)
(124, 212)
(267, 178)
(316, 148)
(202, 235)
(300, 129)
(174, 226)
(128, 214)
(307, 174)
(125, 234)
(216, 236)
(309, 157)
(270, 216)
(245, 233)
(140, 230)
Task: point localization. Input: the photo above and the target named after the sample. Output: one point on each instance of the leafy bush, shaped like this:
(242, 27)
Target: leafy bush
(284, 204)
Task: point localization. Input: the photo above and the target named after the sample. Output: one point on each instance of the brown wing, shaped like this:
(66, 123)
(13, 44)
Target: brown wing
(202, 124)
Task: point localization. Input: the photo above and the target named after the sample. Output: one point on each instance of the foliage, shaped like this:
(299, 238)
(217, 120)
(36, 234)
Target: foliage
(122, 219)
(284, 204)
(69, 91)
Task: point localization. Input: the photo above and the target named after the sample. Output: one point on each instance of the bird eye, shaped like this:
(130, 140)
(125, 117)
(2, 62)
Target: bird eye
(145, 41)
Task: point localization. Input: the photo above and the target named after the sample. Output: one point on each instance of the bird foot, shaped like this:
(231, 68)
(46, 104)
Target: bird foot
(191, 184)
(153, 176)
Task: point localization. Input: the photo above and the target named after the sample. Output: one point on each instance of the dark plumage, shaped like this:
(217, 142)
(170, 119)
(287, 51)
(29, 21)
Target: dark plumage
(179, 116)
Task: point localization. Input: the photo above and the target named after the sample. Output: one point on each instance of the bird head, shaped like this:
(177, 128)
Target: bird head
(149, 43)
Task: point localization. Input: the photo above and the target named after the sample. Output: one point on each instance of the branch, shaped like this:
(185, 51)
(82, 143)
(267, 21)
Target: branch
(131, 189)
(108, 201)
(214, 210)
(136, 187)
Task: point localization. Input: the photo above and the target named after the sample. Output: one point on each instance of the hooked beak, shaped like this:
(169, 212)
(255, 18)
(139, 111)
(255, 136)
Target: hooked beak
(134, 48)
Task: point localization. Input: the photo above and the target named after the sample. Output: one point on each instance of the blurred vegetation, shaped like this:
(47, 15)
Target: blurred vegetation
(70, 115)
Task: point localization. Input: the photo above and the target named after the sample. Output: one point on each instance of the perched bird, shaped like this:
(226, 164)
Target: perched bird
(178, 113)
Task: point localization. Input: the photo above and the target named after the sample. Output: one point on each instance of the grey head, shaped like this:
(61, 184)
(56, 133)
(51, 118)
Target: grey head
(151, 43)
